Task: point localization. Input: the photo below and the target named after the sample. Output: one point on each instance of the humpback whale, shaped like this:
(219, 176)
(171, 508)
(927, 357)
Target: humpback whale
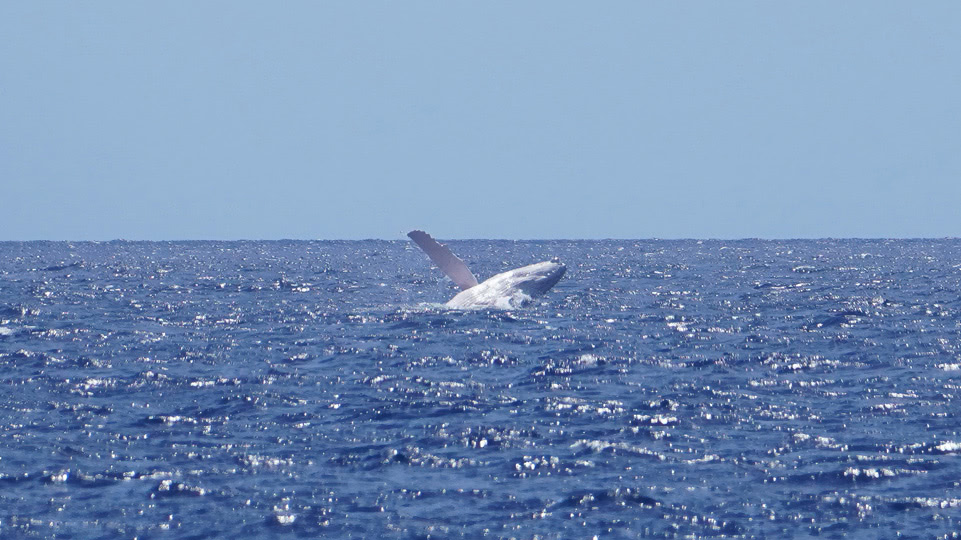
(507, 290)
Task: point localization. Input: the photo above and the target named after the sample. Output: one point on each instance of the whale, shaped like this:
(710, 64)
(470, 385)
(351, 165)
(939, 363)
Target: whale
(508, 290)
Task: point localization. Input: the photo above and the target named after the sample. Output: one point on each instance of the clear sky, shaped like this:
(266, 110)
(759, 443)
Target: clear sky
(543, 119)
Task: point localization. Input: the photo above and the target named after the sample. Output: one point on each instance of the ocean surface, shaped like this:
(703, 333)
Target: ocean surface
(663, 389)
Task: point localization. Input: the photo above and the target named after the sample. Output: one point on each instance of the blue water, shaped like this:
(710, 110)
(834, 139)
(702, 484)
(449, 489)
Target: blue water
(716, 389)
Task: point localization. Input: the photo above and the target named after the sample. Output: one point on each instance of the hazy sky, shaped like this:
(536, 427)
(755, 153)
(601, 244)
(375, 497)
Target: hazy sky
(331, 119)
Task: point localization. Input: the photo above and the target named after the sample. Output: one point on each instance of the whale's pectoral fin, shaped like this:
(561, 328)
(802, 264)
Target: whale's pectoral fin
(455, 268)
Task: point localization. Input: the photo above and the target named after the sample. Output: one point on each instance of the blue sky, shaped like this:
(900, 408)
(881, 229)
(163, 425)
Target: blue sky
(343, 120)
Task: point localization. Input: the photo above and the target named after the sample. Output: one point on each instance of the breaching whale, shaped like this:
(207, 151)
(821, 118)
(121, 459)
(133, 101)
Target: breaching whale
(507, 290)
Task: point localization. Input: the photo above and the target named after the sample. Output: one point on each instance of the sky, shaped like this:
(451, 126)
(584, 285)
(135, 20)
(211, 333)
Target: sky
(535, 119)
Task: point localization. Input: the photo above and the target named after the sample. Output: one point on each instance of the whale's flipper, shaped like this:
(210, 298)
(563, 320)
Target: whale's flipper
(455, 268)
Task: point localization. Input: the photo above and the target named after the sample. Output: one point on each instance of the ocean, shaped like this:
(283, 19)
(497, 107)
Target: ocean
(301, 389)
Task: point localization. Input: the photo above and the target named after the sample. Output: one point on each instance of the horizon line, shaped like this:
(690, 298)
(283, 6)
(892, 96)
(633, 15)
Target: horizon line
(468, 239)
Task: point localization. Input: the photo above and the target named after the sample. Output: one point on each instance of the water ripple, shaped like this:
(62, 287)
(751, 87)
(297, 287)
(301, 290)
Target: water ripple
(702, 389)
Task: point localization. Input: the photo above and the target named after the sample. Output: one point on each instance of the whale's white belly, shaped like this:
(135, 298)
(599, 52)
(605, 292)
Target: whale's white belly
(510, 290)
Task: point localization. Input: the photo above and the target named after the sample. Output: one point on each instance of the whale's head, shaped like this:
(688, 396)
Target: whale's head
(536, 279)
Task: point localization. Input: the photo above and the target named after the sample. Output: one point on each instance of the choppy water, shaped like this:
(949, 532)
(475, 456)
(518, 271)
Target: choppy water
(748, 389)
